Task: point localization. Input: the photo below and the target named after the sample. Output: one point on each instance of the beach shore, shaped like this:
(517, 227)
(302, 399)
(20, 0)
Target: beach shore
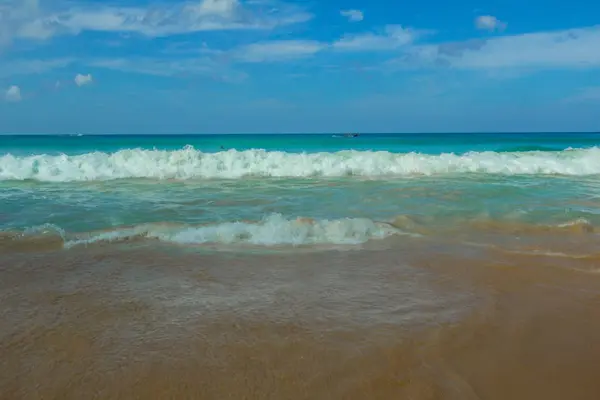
(401, 320)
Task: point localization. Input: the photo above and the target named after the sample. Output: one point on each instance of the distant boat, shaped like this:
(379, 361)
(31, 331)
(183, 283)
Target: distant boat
(346, 135)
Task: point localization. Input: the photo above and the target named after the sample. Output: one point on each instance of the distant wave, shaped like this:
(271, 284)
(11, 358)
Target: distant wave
(189, 163)
(527, 148)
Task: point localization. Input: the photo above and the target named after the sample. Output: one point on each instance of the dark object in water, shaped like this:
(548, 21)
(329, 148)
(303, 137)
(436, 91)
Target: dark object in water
(351, 134)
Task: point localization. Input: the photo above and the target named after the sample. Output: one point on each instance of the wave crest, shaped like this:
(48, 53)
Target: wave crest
(189, 163)
(271, 231)
(277, 230)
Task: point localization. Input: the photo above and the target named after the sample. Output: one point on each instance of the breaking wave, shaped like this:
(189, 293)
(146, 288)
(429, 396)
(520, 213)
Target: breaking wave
(189, 163)
(273, 230)
(276, 230)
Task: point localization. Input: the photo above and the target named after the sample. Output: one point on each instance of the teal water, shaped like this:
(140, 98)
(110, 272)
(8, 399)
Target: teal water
(423, 143)
(296, 189)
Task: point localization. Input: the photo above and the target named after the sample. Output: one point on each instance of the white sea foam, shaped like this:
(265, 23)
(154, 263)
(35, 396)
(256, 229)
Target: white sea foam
(189, 163)
(273, 230)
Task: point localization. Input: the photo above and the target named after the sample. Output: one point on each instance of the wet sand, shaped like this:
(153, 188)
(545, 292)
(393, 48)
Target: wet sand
(394, 320)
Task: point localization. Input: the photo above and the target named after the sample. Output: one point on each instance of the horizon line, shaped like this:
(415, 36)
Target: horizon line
(307, 133)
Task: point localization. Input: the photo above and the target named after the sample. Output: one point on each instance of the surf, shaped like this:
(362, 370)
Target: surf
(190, 163)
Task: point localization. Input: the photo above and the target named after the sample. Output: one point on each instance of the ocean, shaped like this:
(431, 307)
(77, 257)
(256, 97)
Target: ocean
(251, 189)
(300, 266)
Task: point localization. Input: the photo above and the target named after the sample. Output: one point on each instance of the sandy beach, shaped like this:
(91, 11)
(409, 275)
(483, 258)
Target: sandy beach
(415, 321)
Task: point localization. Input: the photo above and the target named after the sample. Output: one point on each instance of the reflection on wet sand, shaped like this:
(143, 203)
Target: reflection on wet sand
(408, 319)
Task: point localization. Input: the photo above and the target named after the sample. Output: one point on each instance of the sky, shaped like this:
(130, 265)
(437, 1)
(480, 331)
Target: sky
(275, 66)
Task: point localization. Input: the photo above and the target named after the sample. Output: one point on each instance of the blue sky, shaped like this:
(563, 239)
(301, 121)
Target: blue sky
(219, 66)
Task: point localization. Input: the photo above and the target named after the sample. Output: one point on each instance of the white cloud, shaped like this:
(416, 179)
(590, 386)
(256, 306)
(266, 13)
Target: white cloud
(393, 36)
(353, 15)
(573, 48)
(82, 80)
(14, 13)
(29, 67)
(216, 7)
(280, 50)
(24, 19)
(489, 23)
(164, 19)
(203, 66)
(499, 55)
(13, 94)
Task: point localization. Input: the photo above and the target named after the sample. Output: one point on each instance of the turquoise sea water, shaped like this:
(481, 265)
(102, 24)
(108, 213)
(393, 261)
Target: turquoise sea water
(295, 190)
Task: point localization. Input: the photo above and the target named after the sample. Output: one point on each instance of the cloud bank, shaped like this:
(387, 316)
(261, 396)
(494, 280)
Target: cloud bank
(572, 48)
(399, 46)
(27, 20)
